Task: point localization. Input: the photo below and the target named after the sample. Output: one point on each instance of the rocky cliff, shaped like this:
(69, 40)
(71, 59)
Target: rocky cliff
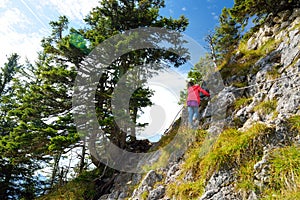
(253, 148)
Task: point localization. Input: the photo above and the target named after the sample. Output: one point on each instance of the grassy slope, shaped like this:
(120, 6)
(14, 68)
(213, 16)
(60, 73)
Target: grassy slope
(82, 187)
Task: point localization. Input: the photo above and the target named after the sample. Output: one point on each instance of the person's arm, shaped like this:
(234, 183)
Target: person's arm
(204, 92)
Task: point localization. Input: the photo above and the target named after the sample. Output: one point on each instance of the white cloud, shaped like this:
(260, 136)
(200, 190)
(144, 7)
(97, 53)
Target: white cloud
(10, 18)
(73, 9)
(25, 45)
(161, 114)
(167, 86)
(24, 25)
(183, 9)
(215, 16)
(14, 35)
(4, 3)
(34, 12)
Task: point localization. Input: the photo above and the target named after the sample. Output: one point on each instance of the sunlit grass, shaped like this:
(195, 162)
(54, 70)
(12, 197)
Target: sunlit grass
(284, 164)
(172, 144)
(81, 187)
(246, 59)
(266, 107)
(273, 73)
(231, 149)
(242, 102)
(186, 190)
(294, 122)
(245, 175)
(285, 174)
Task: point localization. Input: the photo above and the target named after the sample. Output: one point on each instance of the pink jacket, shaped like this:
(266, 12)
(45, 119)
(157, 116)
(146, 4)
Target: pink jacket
(194, 93)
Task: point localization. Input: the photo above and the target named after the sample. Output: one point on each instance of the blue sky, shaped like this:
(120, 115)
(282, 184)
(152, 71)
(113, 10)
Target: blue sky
(202, 15)
(25, 22)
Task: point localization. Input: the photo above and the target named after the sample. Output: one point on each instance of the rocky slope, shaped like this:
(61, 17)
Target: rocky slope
(268, 99)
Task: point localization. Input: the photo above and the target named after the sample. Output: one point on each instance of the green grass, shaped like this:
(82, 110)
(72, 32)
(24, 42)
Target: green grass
(242, 102)
(245, 175)
(266, 107)
(285, 174)
(284, 182)
(240, 84)
(236, 149)
(239, 68)
(237, 122)
(273, 73)
(269, 46)
(296, 27)
(232, 145)
(231, 149)
(186, 190)
(294, 123)
(242, 66)
(80, 188)
(169, 144)
(144, 195)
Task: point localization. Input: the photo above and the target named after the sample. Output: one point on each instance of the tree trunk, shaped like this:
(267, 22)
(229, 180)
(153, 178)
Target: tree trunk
(55, 169)
(5, 187)
(82, 161)
(209, 39)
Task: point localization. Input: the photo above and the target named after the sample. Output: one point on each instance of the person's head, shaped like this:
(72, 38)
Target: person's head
(190, 84)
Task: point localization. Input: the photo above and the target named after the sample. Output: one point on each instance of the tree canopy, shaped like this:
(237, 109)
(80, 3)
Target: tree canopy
(243, 10)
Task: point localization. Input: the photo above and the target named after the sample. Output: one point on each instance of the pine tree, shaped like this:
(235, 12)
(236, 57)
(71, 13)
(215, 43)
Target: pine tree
(36, 108)
(243, 10)
(226, 37)
(19, 153)
(111, 18)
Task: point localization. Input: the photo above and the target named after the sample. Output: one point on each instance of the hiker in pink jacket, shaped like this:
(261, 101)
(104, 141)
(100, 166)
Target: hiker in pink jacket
(193, 102)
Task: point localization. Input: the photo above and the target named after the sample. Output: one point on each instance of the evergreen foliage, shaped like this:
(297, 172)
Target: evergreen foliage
(227, 35)
(19, 153)
(37, 126)
(243, 10)
(114, 17)
(37, 129)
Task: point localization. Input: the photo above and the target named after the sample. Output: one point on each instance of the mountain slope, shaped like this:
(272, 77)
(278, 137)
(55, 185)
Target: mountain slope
(255, 155)
(248, 142)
